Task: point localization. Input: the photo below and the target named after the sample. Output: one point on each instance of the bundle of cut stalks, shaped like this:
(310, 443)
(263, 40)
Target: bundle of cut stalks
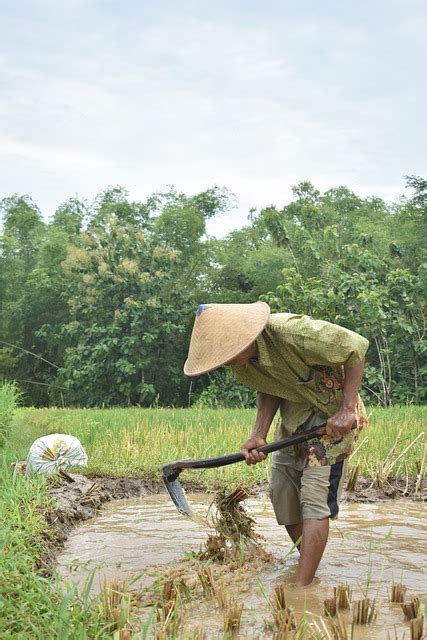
(198, 633)
(206, 580)
(398, 592)
(330, 606)
(168, 618)
(279, 598)
(353, 477)
(232, 614)
(284, 622)
(342, 595)
(314, 630)
(284, 619)
(417, 626)
(220, 595)
(364, 611)
(411, 609)
(339, 629)
(115, 603)
(212, 588)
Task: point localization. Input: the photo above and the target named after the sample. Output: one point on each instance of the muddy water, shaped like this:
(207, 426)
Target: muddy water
(370, 545)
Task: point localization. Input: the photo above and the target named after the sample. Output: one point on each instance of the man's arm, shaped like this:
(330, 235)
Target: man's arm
(341, 422)
(266, 410)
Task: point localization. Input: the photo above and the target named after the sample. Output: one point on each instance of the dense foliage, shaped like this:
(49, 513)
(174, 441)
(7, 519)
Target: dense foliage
(97, 305)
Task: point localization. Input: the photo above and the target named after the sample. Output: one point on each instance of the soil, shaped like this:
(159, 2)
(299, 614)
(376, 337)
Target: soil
(78, 498)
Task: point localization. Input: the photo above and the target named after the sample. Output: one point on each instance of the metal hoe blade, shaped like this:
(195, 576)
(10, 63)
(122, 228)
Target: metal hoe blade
(176, 492)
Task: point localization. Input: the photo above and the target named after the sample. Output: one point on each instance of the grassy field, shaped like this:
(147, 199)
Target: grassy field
(137, 442)
(133, 442)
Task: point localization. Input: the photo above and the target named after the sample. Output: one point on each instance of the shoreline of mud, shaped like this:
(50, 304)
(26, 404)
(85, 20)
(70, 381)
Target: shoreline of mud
(79, 498)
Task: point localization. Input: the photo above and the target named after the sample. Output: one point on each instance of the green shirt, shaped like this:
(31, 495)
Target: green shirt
(302, 361)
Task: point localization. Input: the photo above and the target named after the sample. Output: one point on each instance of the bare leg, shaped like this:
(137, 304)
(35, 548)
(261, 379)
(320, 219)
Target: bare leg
(314, 538)
(295, 533)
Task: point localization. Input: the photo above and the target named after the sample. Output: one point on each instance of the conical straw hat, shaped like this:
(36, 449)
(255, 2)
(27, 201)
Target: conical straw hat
(221, 332)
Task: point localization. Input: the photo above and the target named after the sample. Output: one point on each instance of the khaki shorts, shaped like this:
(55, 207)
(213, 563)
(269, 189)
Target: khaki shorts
(300, 492)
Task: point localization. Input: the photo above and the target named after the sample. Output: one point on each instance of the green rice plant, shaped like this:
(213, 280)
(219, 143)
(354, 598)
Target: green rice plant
(137, 442)
(32, 603)
(385, 467)
(9, 399)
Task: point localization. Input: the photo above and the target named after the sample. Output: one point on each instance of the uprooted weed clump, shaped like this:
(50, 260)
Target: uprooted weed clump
(232, 535)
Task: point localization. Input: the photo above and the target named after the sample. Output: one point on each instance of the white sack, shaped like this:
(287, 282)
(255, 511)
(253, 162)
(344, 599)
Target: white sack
(53, 452)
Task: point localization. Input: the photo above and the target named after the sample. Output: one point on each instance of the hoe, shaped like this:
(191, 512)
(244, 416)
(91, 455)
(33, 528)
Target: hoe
(172, 470)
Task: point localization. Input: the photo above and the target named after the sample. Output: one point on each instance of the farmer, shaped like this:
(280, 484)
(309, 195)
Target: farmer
(311, 371)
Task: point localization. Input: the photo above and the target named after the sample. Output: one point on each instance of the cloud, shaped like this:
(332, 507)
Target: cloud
(146, 97)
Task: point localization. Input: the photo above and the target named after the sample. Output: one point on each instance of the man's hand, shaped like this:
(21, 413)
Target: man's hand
(266, 410)
(253, 457)
(340, 424)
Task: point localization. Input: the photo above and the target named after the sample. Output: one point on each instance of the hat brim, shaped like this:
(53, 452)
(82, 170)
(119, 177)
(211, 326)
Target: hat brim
(221, 332)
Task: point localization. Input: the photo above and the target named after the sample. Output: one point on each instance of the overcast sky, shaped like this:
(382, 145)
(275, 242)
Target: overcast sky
(246, 94)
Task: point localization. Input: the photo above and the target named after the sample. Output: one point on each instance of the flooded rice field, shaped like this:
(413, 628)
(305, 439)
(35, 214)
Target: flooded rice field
(370, 546)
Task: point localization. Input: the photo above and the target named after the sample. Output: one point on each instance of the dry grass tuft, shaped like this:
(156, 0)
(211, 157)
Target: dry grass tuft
(386, 466)
(342, 595)
(115, 604)
(364, 611)
(215, 548)
(420, 471)
(417, 626)
(398, 592)
(232, 614)
(411, 609)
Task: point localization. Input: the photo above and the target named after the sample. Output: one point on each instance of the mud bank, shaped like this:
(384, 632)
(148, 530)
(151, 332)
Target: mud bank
(78, 498)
